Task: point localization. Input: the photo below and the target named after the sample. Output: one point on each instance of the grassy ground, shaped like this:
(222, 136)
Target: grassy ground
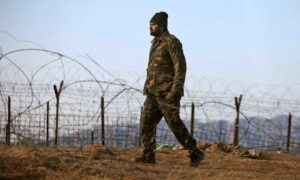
(99, 162)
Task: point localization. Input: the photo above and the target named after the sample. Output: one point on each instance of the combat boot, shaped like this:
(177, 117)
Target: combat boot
(148, 156)
(196, 156)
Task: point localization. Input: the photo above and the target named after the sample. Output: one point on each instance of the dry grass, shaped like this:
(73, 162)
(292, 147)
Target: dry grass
(98, 162)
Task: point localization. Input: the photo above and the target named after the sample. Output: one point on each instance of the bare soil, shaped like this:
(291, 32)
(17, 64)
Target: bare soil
(100, 162)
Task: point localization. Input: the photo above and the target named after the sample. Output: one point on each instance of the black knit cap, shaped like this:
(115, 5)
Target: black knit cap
(160, 18)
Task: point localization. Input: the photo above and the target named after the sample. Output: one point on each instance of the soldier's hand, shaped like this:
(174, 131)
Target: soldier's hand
(170, 95)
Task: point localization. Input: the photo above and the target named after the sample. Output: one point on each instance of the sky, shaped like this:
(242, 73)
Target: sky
(252, 41)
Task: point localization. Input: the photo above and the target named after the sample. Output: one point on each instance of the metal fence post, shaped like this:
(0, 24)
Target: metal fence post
(57, 95)
(47, 124)
(7, 138)
(141, 123)
(237, 120)
(92, 138)
(102, 122)
(289, 133)
(192, 119)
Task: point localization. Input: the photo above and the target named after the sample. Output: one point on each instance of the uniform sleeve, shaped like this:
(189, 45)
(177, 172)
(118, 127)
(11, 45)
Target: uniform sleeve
(176, 52)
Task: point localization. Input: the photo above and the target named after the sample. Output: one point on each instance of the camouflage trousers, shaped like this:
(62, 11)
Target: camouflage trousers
(154, 109)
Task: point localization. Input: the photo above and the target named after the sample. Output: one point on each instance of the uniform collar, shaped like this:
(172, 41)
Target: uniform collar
(160, 37)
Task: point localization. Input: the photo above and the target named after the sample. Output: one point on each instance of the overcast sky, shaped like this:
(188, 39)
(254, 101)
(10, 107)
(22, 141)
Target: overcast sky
(252, 41)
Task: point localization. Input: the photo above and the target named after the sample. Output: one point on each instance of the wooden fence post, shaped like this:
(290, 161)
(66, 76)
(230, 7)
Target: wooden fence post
(192, 119)
(57, 95)
(289, 133)
(102, 122)
(7, 138)
(237, 120)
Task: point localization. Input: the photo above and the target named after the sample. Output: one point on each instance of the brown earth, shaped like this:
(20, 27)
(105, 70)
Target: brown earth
(100, 162)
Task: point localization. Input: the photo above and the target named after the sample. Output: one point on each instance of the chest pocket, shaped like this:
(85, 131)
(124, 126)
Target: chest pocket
(162, 55)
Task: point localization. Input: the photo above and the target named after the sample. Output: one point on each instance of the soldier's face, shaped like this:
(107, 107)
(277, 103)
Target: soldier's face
(154, 29)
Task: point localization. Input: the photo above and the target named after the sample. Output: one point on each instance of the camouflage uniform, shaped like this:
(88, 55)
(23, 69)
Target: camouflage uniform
(164, 89)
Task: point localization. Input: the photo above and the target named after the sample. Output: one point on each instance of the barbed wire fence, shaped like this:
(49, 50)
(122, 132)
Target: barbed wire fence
(48, 98)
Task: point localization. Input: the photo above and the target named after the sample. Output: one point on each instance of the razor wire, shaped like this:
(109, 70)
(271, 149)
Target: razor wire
(263, 111)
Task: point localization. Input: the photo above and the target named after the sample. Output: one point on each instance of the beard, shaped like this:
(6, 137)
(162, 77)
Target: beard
(154, 33)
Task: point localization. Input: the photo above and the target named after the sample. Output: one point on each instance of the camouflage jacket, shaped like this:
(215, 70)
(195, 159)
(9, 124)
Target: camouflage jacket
(166, 67)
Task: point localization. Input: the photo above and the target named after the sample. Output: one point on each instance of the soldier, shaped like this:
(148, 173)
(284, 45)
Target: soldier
(164, 89)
